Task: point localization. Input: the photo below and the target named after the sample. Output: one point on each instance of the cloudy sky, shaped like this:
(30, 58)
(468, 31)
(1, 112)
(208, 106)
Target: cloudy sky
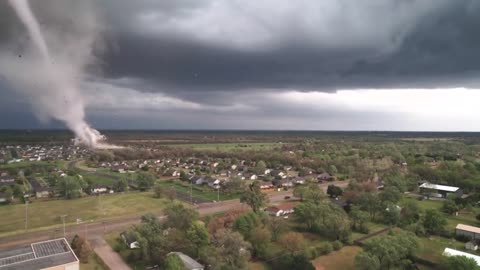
(270, 64)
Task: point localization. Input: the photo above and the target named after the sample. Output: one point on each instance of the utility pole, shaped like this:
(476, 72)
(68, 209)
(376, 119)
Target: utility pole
(26, 215)
(218, 193)
(63, 220)
(191, 191)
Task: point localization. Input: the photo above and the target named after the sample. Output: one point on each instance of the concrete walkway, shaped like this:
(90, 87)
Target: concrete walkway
(108, 255)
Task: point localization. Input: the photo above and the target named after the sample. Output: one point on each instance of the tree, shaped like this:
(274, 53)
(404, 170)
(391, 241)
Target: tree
(145, 181)
(69, 187)
(366, 261)
(228, 250)
(460, 263)
(292, 242)
(332, 169)
(173, 262)
(434, 222)
(449, 206)
(254, 197)
(277, 226)
(390, 195)
(198, 236)
(260, 238)
(299, 191)
(234, 185)
(410, 212)
(391, 215)
(82, 248)
(121, 185)
(246, 223)
(158, 191)
(359, 219)
(260, 167)
(334, 191)
(179, 216)
(390, 251)
(371, 203)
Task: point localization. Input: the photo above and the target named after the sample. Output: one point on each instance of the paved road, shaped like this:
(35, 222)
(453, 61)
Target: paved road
(95, 231)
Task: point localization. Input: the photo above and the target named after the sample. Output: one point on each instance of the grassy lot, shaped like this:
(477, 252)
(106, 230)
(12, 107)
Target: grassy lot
(203, 191)
(432, 248)
(26, 164)
(93, 263)
(464, 217)
(342, 259)
(231, 146)
(42, 214)
(257, 266)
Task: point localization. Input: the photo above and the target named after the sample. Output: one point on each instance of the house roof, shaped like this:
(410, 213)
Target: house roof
(468, 228)
(39, 255)
(454, 252)
(283, 207)
(439, 187)
(129, 237)
(188, 262)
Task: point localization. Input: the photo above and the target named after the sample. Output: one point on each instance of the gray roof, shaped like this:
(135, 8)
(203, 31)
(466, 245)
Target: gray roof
(189, 263)
(38, 256)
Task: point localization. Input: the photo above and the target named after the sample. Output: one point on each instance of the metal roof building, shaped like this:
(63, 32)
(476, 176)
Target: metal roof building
(52, 255)
(454, 252)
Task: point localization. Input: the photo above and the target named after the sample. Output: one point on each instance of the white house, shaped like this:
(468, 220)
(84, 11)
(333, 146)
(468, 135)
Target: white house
(280, 210)
(130, 240)
(453, 252)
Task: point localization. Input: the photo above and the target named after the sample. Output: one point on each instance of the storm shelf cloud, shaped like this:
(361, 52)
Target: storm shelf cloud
(277, 64)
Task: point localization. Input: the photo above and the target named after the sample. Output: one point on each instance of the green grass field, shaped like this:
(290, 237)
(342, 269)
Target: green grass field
(342, 259)
(25, 164)
(43, 214)
(203, 192)
(432, 248)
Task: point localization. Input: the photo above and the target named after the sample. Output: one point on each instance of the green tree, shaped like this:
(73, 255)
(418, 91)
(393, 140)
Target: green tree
(254, 197)
(260, 239)
(449, 206)
(260, 167)
(371, 203)
(173, 262)
(367, 261)
(359, 219)
(390, 195)
(245, 223)
(228, 250)
(179, 216)
(460, 263)
(234, 185)
(198, 236)
(299, 191)
(410, 212)
(121, 185)
(277, 226)
(292, 242)
(391, 251)
(69, 187)
(158, 191)
(145, 181)
(334, 191)
(433, 221)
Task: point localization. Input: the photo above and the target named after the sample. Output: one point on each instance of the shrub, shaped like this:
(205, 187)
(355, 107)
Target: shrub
(337, 245)
(311, 253)
(327, 248)
(348, 241)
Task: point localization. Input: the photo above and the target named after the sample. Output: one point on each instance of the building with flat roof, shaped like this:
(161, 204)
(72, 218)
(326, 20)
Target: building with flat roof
(440, 191)
(471, 232)
(52, 255)
(453, 252)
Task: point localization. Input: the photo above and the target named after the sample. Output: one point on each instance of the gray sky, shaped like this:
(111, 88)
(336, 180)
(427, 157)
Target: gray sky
(271, 64)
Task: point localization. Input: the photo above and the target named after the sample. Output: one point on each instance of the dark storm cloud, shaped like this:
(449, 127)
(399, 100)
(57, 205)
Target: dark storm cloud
(437, 47)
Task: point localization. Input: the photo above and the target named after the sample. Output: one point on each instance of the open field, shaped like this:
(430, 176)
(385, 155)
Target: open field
(342, 259)
(205, 193)
(42, 214)
(26, 164)
(432, 248)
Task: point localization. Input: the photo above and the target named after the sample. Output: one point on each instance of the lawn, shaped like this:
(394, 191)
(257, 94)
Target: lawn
(42, 214)
(94, 263)
(200, 191)
(432, 248)
(342, 259)
(26, 164)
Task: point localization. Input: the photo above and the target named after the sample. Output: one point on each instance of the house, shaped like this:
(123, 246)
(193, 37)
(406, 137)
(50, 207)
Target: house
(130, 240)
(40, 190)
(266, 186)
(119, 168)
(250, 176)
(98, 188)
(213, 183)
(453, 252)
(300, 180)
(188, 263)
(7, 180)
(52, 254)
(439, 191)
(471, 232)
(280, 210)
(325, 177)
(197, 180)
(471, 245)
(287, 183)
